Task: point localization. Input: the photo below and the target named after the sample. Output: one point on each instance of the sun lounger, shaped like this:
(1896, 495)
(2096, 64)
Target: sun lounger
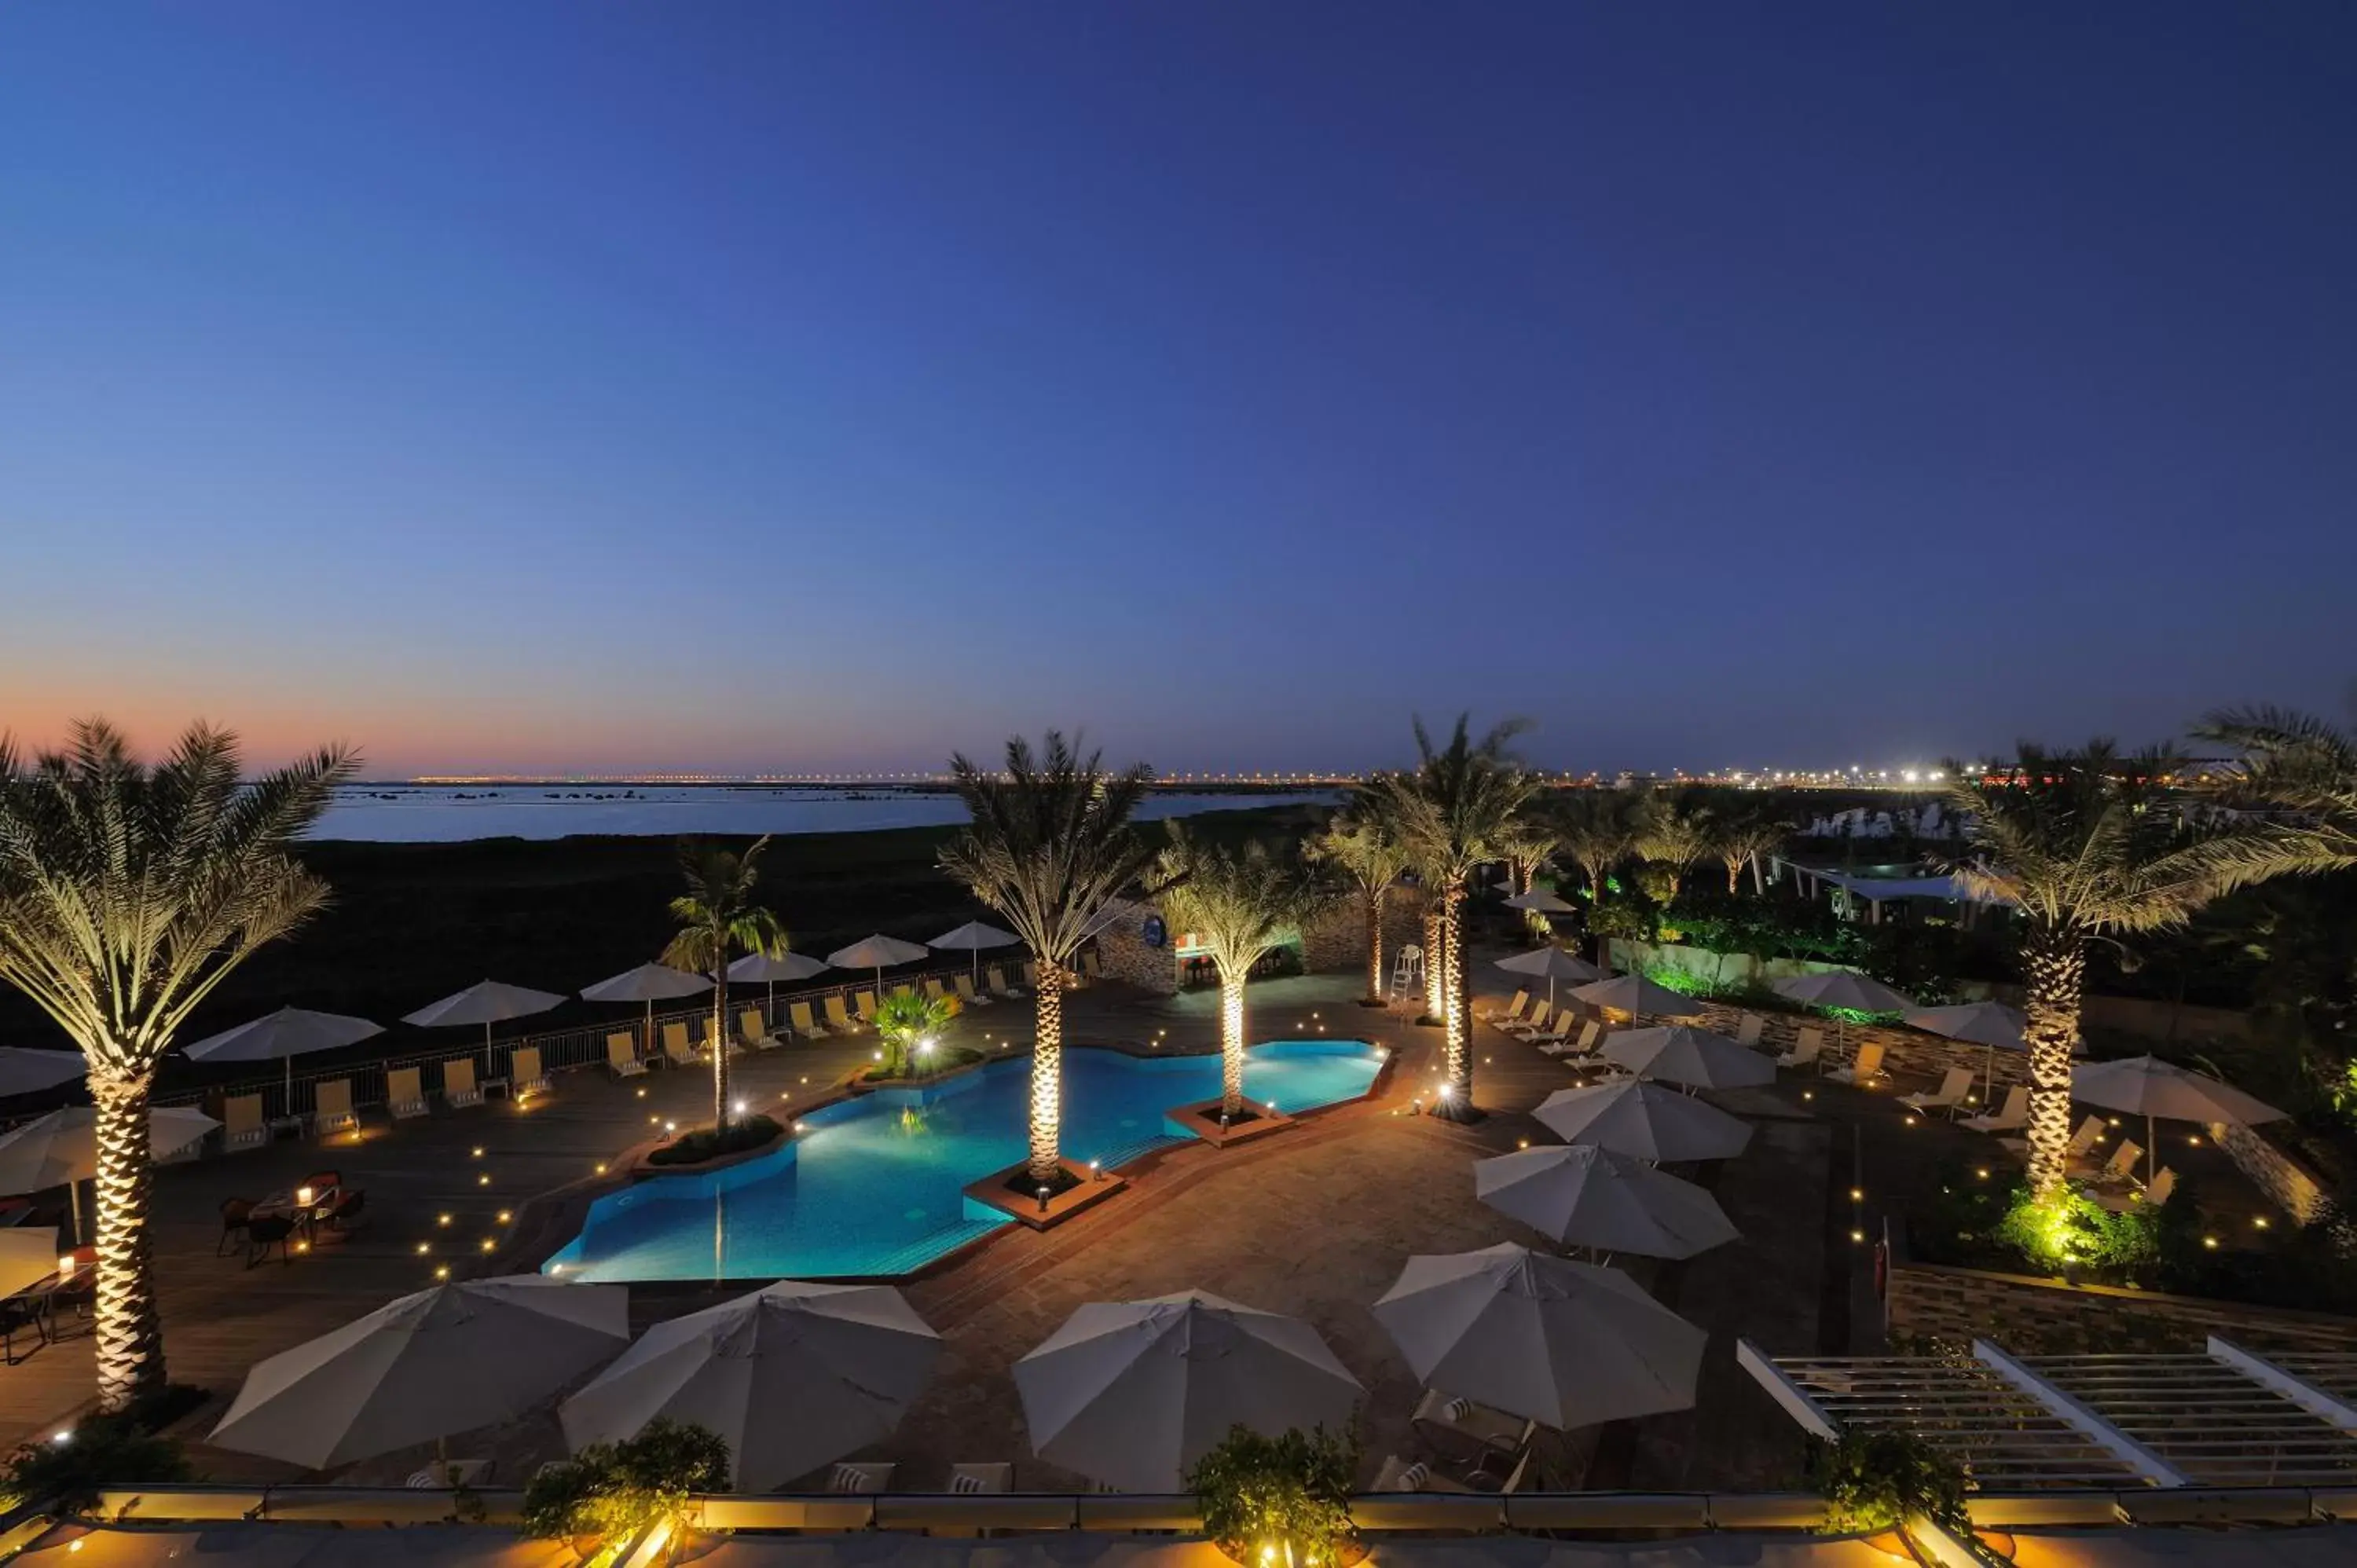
(860, 1479)
(754, 1029)
(458, 1088)
(1747, 1027)
(2121, 1166)
(623, 1056)
(404, 1094)
(838, 1016)
(1092, 970)
(935, 990)
(864, 1003)
(2090, 1133)
(1475, 1422)
(523, 1066)
(970, 1480)
(2013, 1114)
(1591, 1034)
(331, 1107)
(1539, 1020)
(675, 1046)
(1865, 1069)
(797, 1017)
(1510, 1014)
(1002, 987)
(1955, 1088)
(2156, 1195)
(1398, 1476)
(1805, 1049)
(242, 1125)
(1567, 1024)
(968, 995)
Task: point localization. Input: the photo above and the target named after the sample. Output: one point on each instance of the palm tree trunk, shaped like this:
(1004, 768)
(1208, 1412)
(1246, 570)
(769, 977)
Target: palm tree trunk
(1047, 1073)
(1456, 1043)
(1759, 883)
(720, 1043)
(2054, 964)
(1734, 877)
(1434, 964)
(1232, 1043)
(130, 1334)
(1375, 944)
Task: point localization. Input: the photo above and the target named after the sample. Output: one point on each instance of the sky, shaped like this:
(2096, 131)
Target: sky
(756, 388)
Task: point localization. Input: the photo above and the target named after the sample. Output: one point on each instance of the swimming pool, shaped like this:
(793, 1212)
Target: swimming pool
(875, 1186)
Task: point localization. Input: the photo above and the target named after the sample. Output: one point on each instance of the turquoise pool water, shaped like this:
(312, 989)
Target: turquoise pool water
(876, 1185)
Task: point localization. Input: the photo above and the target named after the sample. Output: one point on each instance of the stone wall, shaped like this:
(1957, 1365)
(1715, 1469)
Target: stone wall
(2289, 1185)
(1122, 949)
(2034, 1316)
(1335, 941)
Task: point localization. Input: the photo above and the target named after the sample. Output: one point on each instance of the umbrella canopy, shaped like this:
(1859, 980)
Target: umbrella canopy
(1643, 1120)
(1844, 988)
(487, 1002)
(1635, 994)
(28, 1073)
(1552, 963)
(1975, 1023)
(62, 1147)
(878, 953)
(425, 1367)
(1587, 1197)
(1695, 1057)
(1132, 1393)
(283, 1036)
(972, 937)
(1538, 900)
(794, 1376)
(1563, 1343)
(648, 983)
(756, 967)
(2152, 1088)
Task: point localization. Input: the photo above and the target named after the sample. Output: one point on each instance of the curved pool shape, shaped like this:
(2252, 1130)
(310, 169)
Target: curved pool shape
(874, 1186)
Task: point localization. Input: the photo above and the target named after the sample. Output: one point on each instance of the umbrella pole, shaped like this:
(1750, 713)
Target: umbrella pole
(2151, 1150)
(73, 1196)
(647, 1030)
(488, 1074)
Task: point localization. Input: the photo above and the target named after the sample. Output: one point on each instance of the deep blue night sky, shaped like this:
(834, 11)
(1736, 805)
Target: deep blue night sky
(818, 386)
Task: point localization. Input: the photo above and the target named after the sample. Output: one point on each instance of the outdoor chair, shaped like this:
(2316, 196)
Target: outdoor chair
(19, 1313)
(524, 1066)
(1864, 1071)
(971, 1480)
(1030, 970)
(2156, 1194)
(838, 1017)
(1567, 1024)
(676, 1049)
(623, 1056)
(968, 995)
(864, 1005)
(459, 1083)
(2014, 1113)
(860, 1478)
(998, 982)
(1590, 1032)
(265, 1232)
(323, 1181)
(1955, 1088)
(755, 1029)
(1747, 1027)
(1477, 1423)
(235, 1213)
(1513, 1010)
(1398, 1476)
(1091, 970)
(1806, 1048)
(799, 1019)
(331, 1107)
(2090, 1133)
(935, 991)
(345, 1217)
(2121, 1166)
(1539, 1021)
(404, 1094)
(241, 1123)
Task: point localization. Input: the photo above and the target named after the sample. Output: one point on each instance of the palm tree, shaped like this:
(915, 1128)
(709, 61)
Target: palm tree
(1528, 846)
(1598, 830)
(1366, 851)
(1677, 832)
(2300, 766)
(1457, 811)
(2089, 847)
(907, 1022)
(127, 893)
(1238, 904)
(1049, 846)
(1739, 841)
(717, 921)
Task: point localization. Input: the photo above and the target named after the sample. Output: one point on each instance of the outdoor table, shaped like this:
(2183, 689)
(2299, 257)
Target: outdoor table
(307, 1216)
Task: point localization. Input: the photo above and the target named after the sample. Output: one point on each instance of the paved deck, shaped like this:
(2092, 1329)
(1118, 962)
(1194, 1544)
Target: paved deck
(1316, 1221)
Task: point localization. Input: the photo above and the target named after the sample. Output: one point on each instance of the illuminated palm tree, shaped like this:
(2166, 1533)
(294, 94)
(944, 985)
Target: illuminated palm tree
(2304, 770)
(1598, 830)
(1675, 835)
(2089, 846)
(1739, 841)
(127, 893)
(1366, 851)
(1457, 811)
(719, 921)
(1049, 846)
(1238, 904)
(907, 1022)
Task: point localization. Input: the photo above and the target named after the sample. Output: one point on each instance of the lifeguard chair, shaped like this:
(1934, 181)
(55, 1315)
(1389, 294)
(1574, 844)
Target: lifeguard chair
(1407, 971)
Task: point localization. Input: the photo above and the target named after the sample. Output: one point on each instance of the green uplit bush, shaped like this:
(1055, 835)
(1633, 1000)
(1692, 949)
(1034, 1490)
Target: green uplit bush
(1284, 1500)
(2072, 1229)
(1874, 1480)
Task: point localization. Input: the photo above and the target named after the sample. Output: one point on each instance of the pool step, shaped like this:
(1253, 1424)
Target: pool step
(1113, 1159)
(925, 1249)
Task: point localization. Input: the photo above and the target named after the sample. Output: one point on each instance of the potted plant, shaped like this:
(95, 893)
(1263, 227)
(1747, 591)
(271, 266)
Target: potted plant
(611, 1493)
(1280, 1502)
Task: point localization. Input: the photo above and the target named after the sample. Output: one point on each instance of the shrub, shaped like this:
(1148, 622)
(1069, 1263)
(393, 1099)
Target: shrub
(1873, 1480)
(2072, 1229)
(101, 1452)
(703, 1144)
(615, 1490)
(1287, 1495)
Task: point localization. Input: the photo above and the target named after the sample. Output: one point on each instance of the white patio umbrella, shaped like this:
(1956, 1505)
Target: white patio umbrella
(1644, 1119)
(1581, 1196)
(1636, 995)
(1554, 964)
(424, 1367)
(650, 984)
(28, 1072)
(1844, 988)
(1695, 1058)
(878, 953)
(770, 968)
(1565, 1344)
(487, 1002)
(2160, 1091)
(1990, 1023)
(970, 939)
(60, 1149)
(1131, 1393)
(282, 1036)
(1539, 901)
(794, 1376)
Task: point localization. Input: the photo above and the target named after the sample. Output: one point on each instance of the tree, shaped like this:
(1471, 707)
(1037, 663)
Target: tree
(127, 893)
(613, 1492)
(1050, 844)
(1282, 1501)
(2298, 766)
(908, 1023)
(1238, 904)
(1364, 848)
(1676, 831)
(717, 921)
(1598, 830)
(1457, 811)
(1739, 839)
(2089, 846)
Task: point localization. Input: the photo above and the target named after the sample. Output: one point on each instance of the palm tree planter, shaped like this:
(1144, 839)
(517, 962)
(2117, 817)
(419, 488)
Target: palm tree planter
(718, 921)
(1049, 846)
